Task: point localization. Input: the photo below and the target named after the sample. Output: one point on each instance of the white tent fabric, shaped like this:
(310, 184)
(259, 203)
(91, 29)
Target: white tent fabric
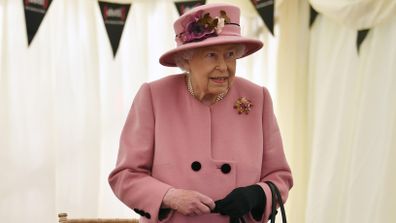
(291, 92)
(356, 14)
(337, 109)
(353, 115)
(64, 99)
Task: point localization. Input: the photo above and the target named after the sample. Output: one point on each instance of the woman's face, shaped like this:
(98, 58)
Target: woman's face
(212, 69)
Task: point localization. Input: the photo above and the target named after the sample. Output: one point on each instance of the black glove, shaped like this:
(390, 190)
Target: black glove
(242, 200)
(234, 220)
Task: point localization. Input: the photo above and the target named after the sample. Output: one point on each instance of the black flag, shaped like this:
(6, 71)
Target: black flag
(312, 15)
(114, 17)
(266, 10)
(360, 37)
(184, 6)
(35, 11)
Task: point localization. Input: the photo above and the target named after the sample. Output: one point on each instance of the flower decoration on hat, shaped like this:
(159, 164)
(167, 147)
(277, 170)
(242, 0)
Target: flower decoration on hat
(200, 26)
(243, 105)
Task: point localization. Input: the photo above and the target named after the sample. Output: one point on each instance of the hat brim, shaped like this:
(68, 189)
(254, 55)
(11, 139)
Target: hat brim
(251, 46)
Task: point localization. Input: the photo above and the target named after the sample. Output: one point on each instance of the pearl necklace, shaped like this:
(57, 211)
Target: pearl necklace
(191, 90)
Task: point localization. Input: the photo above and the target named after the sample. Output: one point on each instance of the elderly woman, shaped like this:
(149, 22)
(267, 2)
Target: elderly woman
(199, 146)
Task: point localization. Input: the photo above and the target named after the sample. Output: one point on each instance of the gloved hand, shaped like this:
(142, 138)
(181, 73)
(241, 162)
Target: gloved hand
(242, 200)
(234, 220)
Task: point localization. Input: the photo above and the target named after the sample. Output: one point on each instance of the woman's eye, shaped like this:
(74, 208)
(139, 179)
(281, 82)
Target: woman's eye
(210, 54)
(230, 54)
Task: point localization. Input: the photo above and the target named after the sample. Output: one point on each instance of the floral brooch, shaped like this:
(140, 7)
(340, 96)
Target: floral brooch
(243, 105)
(201, 26)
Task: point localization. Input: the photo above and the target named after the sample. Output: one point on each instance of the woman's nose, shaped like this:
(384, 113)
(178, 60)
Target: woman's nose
(221, 64)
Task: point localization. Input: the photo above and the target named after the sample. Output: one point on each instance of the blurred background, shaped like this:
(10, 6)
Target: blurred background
(65, 92)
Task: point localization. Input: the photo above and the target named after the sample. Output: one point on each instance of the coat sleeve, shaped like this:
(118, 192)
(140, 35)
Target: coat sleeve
(131, 179)
(274, 164)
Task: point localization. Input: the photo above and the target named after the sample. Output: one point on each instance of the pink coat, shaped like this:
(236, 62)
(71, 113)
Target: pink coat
(170, 139)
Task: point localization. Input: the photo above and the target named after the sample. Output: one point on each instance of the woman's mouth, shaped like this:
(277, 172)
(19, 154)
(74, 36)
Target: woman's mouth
(219, 80)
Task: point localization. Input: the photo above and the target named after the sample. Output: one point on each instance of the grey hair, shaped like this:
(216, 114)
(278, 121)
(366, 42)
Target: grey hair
(185, 55)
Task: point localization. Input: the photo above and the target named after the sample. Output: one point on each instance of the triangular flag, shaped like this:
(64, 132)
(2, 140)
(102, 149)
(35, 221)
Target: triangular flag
(114, 17)
(360, 37)
(266, 10)
(184, 6)
(312, 15)
(35, 11)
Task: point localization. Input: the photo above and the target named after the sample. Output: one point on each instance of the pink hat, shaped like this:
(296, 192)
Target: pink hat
(208, 25)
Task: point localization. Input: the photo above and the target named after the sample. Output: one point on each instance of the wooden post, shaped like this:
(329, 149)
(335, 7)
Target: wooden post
(62, 217)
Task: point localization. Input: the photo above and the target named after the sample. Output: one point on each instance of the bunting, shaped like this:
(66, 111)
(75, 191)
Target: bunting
(35, 11)
(360, 37)
(312, 15)
(184, 6)
(266, 10)
(114, 17)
